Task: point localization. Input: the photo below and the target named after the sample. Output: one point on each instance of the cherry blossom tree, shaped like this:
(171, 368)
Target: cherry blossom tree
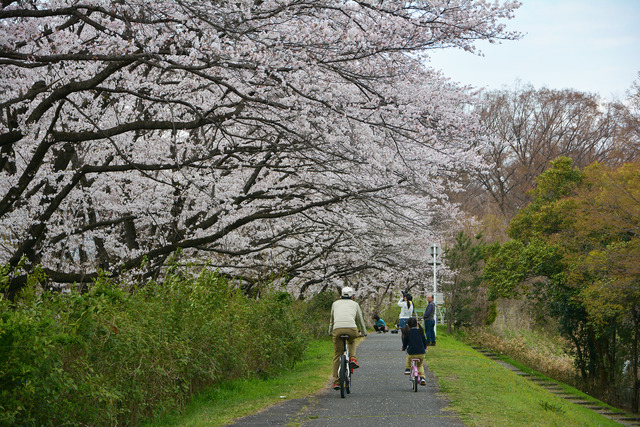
(298, 138)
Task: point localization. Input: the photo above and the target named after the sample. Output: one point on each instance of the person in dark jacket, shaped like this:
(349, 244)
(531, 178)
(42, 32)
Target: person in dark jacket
(429, 320)
(415, 343)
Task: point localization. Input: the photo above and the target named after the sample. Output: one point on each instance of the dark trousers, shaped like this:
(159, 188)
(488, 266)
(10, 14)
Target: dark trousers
(429, 329)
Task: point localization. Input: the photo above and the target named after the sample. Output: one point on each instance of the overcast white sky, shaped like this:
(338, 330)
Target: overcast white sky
(587, 45)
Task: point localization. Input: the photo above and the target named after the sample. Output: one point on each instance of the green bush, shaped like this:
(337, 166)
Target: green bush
(317, 310)
(117, 355)
(492, 314)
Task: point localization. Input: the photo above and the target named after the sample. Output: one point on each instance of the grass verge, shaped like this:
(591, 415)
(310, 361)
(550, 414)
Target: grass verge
(484, 393)
(221, 404)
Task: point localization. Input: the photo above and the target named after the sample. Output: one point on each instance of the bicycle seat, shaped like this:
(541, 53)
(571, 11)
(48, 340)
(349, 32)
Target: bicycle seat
(345, 336)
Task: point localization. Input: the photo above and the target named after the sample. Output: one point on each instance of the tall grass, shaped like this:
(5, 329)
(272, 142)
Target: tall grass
(114, 356)
(221, 404)
(527, 337)
(531, 348)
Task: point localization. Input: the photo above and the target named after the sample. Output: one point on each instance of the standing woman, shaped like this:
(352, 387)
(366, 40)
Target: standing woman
(406, 309)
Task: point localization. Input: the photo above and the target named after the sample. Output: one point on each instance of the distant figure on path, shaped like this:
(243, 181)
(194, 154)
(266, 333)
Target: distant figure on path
(380, 326)
(344, 314)
(406, 309)
(429, 321)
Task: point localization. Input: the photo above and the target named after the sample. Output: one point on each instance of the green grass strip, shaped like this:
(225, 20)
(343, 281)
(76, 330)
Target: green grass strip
(220, 405)
(485, 393)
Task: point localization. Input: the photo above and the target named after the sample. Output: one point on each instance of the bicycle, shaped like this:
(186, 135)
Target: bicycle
(344, 369)
(414, 374)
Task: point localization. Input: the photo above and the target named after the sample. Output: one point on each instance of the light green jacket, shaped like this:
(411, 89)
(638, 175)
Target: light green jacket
(344, 314)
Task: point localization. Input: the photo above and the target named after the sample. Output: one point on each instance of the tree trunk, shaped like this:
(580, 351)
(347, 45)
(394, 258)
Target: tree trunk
(635, 359)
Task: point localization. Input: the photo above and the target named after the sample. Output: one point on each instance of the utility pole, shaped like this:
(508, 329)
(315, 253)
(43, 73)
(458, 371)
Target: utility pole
(435, 251)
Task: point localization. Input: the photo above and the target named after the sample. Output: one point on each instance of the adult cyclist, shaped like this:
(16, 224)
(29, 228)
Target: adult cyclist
(345, 317)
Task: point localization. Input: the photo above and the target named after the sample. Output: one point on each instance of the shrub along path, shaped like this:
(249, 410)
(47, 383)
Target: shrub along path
(381, 396)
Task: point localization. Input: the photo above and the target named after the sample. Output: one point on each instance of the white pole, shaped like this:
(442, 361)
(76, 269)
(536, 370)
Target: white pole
(434, 253)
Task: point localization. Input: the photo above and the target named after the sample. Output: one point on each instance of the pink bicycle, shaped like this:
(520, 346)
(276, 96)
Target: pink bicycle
(414, 375)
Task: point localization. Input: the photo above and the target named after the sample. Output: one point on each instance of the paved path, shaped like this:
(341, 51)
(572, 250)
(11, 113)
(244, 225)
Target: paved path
(381, 396)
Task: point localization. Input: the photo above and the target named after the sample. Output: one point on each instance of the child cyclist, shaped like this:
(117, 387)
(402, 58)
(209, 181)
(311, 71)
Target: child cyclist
(415, 343)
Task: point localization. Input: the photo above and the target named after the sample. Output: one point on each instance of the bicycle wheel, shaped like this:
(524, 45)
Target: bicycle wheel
(347, 386)
(415, 376)
(344, 366)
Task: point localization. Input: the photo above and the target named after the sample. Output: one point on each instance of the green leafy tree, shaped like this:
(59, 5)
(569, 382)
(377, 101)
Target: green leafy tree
(465, 259)
(575, 249)
(608, 230)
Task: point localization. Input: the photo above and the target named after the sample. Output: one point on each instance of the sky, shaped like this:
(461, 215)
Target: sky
(587, 45)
